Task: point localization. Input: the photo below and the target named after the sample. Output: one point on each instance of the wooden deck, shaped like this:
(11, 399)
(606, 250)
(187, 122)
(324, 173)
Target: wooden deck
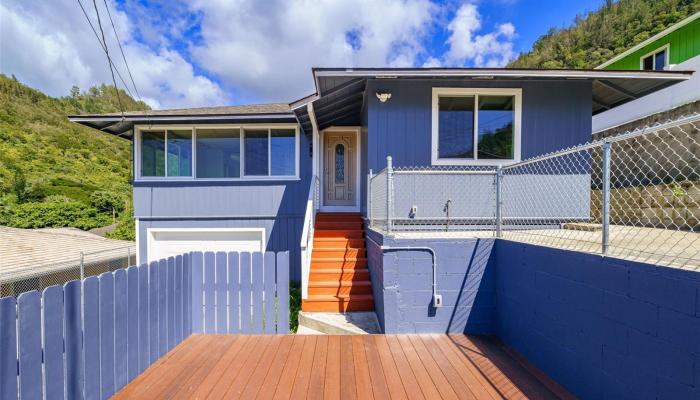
(340, 367)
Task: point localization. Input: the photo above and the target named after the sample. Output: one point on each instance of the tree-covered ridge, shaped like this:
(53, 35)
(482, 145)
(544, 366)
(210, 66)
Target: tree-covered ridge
(57, 173)
(600, 35)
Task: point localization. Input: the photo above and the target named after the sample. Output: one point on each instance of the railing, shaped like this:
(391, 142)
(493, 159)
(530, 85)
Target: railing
(635, 195)
(87, 339)
(307, 235)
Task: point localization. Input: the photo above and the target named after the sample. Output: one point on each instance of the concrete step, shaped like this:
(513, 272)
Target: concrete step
(339, 287)
(338, 243)
(336, 252)
(350, 323)
(339, 233)
(337, 263)
(324, 225)
(338, 303)
(336, 274)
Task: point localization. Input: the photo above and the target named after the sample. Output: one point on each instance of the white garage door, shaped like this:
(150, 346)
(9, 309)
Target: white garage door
(163, 243)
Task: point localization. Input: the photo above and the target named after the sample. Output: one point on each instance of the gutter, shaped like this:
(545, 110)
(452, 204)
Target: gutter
(161, 118)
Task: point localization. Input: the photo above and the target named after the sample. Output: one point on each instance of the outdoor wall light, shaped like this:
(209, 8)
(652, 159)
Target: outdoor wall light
(383, 96)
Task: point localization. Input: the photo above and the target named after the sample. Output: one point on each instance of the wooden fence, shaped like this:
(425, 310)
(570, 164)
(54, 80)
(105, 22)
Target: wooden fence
(52, 347)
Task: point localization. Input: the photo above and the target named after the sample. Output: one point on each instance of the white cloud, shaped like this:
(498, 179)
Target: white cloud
(493, 49)
(52, 48)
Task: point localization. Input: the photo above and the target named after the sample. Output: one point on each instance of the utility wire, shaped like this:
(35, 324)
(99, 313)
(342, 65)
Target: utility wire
(104, 46)
(109, 59)
(122, 51)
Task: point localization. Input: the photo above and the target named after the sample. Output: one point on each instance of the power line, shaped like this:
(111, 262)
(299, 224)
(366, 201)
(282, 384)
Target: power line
(104, 46)
(109, 59)
(122, 50)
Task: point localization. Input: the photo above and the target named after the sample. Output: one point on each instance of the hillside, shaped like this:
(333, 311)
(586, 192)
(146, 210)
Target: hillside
(56, 173)
(597, 36)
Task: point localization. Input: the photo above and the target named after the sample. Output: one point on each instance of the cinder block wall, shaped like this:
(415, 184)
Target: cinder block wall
(602, 327)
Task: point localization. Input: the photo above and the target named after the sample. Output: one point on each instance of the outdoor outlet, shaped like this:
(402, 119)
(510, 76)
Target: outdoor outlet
(437, 300)
(414, 211)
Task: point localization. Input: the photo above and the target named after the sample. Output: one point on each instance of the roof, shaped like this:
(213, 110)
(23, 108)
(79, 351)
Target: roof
(650, 40)
(115, 124)
(340, 93)
(26, 253)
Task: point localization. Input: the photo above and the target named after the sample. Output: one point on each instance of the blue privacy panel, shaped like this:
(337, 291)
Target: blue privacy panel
(73, 321)
(233, 292)
(29, 306)
(221, 292)
(244, 265)
(187, 295)
(162, 307)
(143, 301)
(53, 342)
(269, 285)
(283, 292)
(197, 292)
(153, 311)
(257, 291)
(209, 291)
(8, 348)
(91, 314)
(106, 334)
(121, 328)
(178, 299)
(171, 303)
(132, 317)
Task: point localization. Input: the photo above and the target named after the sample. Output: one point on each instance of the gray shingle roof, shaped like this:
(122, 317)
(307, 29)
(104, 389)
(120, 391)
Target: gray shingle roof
(248, 109)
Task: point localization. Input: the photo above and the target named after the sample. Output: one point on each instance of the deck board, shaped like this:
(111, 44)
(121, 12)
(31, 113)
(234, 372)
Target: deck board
(341, 367)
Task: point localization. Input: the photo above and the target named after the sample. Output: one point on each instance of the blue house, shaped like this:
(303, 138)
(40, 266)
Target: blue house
(294, 177)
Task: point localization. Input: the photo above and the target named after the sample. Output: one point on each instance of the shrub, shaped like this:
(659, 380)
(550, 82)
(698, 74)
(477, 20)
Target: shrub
(57, 213)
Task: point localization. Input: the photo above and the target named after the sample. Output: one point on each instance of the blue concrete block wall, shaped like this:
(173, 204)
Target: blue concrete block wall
(600, 326)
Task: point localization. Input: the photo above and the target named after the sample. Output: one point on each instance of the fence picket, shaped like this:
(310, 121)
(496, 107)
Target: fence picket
(233, 292)
(8, 345)
(106, 315)
(187, 294)
(221, 294)
(283, 292)
(153, 312)
(244, 266)
(53, 342)
(121, 329)
(73, 321)
(178, 299)
(91, 337)
(132, 317)
(170, 299)
(269, 289)
(256, 268)
(209, 292)
(162, 307)
(197, 292)
(29, 306)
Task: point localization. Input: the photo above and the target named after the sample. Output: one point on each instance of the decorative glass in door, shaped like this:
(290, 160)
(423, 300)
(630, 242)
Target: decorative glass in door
(339, 163)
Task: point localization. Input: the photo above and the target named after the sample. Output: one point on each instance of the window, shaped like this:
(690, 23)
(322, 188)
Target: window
(339, 164)
(475, 126)
(217, 152)
(657, 60)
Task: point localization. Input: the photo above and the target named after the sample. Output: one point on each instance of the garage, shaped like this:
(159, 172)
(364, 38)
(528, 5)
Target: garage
(164, 243)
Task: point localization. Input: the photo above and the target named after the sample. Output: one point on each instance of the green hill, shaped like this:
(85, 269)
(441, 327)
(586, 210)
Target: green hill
(597, 36)
(54, 173)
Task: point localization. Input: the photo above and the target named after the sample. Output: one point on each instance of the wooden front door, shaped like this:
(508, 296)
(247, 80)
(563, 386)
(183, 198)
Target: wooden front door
(340, 158)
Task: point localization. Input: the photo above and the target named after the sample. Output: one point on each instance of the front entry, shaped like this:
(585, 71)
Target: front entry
(339, 169)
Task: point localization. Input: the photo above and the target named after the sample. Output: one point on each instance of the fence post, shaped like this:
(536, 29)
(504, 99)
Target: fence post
(499, 216)
(82, 266)
(606, 197)
(369, 197)
(128, 257)
(389, 192)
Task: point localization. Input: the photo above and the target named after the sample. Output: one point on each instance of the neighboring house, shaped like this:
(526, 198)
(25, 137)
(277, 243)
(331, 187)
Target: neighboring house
(33, 259)
(251, 178)
(675, 48)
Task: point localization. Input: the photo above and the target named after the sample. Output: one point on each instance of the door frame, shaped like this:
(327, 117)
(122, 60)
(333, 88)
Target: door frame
(358, 168)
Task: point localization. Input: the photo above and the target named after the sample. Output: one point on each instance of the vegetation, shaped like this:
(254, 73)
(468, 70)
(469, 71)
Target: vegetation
(294, 305)
(54, 173)
(598, 36)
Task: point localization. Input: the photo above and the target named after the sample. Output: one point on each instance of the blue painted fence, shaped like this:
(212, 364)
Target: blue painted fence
(53, 347)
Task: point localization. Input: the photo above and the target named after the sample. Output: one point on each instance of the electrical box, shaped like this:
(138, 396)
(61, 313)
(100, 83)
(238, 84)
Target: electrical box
(437, 300)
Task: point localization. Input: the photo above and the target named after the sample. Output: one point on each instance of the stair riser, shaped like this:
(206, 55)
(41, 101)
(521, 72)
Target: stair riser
(338, 253)
(338, 225)
(341, 243)
(357, 234)
(329, 306)
(349, 276)
(340, 290)
(317, 264)
(338, 217)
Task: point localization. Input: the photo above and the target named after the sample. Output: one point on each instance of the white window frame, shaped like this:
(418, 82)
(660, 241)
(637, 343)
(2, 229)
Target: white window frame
(667, 48)
(475, 92)
(242, 127)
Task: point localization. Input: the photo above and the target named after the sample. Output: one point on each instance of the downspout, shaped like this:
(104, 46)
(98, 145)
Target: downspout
(437, 298)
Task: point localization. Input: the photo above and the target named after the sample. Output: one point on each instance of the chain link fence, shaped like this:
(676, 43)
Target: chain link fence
(84, 265)
(635, 195)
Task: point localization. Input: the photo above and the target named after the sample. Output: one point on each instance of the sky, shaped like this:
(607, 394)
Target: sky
(198, 53)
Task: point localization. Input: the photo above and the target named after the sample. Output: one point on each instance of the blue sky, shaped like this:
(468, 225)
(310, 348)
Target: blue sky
(188, 53)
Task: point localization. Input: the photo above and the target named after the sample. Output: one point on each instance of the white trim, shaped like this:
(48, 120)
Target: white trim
(194, 127)
(151, 231)
(666, 48)
(517, 123)
(650, 40)
(321, 174)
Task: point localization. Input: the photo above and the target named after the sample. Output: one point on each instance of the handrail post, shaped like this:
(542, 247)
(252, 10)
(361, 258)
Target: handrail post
(606, 198)
(389, 192)
(369, 197)
(499, 201)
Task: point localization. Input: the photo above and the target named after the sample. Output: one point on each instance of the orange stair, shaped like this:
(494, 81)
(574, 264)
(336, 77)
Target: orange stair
(339, 278)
